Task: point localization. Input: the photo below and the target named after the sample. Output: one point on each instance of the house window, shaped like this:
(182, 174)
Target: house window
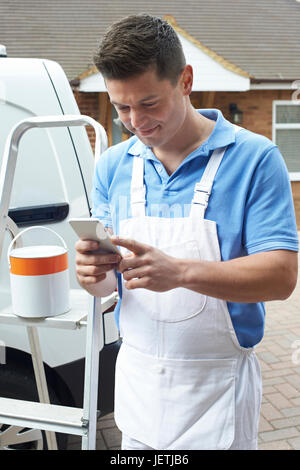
(286, 134)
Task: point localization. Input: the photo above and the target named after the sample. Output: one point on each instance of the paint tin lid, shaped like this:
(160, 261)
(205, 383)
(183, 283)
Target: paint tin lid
(39, 251)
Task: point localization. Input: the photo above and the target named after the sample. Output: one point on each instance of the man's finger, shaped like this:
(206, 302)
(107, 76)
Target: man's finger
(136, 273)
(90, 280)
(130, 262)
(137, 283)
(131, 245)
(97, 259)
(82, 246)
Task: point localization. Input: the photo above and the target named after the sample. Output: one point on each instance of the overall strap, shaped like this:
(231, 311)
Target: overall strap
(138, 189)
(203, 188)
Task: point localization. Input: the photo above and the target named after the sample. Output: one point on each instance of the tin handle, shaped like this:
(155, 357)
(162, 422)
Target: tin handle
(34, 227)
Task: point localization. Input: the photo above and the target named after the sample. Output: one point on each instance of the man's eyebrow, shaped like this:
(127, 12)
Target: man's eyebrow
(147, 98)
(115, 103)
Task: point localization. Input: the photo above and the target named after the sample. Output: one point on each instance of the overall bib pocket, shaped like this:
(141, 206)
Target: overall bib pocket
(175, 305)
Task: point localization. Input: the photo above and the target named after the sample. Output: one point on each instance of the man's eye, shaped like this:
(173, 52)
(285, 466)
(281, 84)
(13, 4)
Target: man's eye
(148, 105)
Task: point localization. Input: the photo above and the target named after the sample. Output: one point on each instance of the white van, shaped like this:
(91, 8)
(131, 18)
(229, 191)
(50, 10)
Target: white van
(52, 182)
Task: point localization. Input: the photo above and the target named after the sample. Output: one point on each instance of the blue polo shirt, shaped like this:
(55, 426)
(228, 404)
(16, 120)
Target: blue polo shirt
(251, 200)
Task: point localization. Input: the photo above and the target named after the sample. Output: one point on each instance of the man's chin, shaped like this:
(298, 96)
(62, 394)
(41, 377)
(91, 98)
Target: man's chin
(147, 140)
(150, 140)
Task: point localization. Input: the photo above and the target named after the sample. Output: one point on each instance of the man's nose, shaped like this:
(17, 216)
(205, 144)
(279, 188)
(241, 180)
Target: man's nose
(137, 118)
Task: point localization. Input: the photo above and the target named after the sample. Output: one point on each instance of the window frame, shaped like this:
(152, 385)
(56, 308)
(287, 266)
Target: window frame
(294, 176)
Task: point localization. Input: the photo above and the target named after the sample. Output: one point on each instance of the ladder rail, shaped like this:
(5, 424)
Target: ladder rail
(40, 377)
(88, 415)
(11, 148)
(93, 337)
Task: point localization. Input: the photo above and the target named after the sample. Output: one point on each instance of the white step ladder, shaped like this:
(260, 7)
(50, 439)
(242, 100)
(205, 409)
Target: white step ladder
(86, 311)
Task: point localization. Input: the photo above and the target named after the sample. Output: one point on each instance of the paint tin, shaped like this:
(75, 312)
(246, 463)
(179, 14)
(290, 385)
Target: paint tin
(39, 278)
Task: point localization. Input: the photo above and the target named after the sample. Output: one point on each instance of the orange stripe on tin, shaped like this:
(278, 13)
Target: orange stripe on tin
(38, 266)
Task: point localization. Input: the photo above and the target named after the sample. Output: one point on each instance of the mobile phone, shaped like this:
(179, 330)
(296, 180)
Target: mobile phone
(93, 229)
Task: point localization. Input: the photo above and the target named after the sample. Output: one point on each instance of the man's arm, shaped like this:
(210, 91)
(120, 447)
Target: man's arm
(259, 277)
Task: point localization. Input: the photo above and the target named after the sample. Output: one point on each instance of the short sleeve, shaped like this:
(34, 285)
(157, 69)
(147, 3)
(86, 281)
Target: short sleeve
(99, 194)
(269, 222)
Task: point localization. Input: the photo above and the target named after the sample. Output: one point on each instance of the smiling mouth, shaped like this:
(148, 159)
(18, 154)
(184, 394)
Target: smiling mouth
(145, 132)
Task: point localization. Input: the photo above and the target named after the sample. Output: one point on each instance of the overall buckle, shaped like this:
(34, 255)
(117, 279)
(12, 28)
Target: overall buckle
(202, 192)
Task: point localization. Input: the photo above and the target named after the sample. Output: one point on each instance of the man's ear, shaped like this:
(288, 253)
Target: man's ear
(186, 79)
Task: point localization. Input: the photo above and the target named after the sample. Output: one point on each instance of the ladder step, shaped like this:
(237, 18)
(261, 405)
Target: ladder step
(37, 415)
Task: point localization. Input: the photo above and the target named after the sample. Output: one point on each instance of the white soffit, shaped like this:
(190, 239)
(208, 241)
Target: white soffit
(209, 75)
(92, 83)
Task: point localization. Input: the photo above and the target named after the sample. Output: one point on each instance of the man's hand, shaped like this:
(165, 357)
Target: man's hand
(258, 277)
(147, 267)
(92, 267)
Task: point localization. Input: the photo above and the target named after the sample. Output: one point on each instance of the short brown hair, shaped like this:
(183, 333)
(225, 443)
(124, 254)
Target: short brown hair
(136, 43)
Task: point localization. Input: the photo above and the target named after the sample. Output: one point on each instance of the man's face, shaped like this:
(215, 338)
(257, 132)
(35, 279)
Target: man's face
(150, 108)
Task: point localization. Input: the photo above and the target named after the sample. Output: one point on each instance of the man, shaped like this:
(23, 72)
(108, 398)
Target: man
(204, 215)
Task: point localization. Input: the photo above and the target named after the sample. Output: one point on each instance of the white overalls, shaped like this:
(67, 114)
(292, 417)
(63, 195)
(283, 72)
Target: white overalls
(182, 379)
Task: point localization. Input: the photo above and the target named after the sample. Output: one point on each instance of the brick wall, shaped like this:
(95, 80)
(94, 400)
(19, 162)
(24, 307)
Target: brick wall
(88, 105)
(255, 104)
(257, 117)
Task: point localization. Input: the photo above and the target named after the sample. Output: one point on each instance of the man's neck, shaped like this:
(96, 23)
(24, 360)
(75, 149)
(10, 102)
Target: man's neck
(195, 130)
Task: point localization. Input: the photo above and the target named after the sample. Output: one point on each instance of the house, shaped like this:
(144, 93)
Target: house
(245, 55)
